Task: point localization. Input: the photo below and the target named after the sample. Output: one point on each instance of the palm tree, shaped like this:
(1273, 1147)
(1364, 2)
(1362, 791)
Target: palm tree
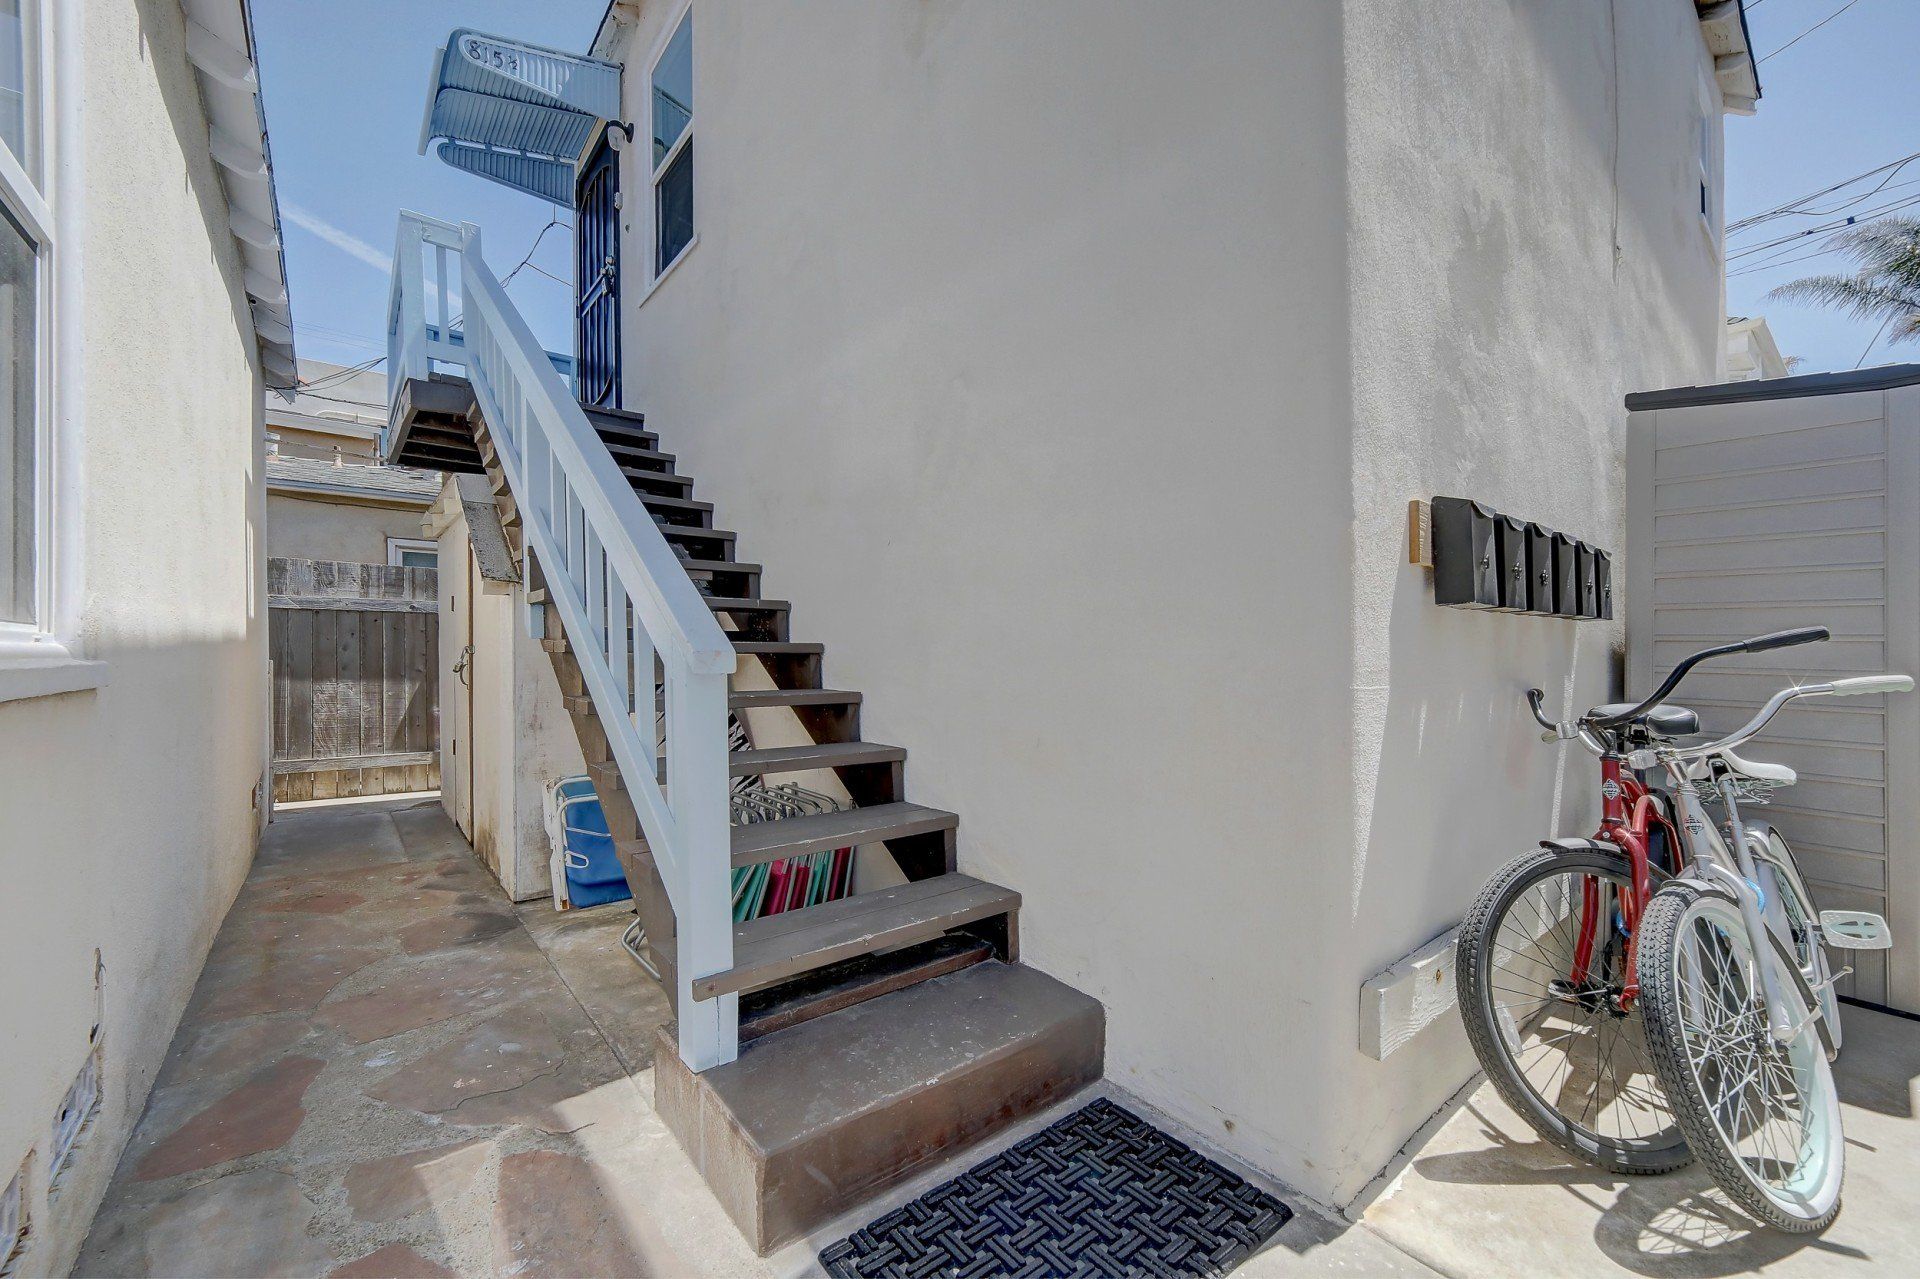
(1887, 285)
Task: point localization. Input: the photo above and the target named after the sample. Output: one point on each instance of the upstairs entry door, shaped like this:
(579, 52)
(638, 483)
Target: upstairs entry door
(597, 277)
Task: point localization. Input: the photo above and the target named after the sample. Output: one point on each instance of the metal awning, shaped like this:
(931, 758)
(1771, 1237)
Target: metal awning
(517, 113)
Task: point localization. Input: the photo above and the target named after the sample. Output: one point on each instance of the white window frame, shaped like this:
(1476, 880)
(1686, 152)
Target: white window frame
(397, 546)
(657, 270)
(1705, 154)
(43, 657)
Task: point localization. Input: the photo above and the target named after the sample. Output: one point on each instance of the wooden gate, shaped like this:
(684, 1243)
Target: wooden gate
(355, 678)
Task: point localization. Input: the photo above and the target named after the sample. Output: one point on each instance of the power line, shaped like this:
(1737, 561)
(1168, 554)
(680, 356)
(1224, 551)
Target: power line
(1792, 206)
(1810, 30)
(1876, 337)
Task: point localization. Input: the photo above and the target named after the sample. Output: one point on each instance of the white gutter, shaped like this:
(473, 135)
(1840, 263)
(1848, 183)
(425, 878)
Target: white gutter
(221, 47)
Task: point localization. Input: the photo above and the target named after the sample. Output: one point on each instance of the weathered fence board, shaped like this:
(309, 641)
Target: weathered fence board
(355, 699)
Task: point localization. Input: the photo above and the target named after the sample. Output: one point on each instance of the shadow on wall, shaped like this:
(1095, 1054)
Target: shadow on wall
(1459, 782)
(163, 44)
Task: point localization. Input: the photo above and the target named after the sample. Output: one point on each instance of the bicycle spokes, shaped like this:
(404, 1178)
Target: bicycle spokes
(1560, 963)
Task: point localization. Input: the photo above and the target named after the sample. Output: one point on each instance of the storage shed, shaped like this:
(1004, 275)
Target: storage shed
(1757, 506)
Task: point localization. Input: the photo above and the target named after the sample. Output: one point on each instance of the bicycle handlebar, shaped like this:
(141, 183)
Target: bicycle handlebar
(1757, 644)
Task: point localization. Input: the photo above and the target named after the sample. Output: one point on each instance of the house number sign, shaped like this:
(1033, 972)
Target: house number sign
(485, 53)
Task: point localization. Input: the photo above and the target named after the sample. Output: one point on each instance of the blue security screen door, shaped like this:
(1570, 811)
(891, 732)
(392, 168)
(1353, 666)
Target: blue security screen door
(597, 276)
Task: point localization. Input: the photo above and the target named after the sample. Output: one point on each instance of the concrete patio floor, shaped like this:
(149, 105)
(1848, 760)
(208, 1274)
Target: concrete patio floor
(387, 1069)
(1482, 1195)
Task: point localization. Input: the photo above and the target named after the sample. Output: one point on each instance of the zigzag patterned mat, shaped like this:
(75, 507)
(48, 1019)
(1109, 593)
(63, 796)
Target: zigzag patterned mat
(1101, 1192)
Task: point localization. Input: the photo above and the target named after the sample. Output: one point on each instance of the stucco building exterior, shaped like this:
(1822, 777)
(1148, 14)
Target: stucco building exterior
(145, 306)
(328, 495)
(1076, 365)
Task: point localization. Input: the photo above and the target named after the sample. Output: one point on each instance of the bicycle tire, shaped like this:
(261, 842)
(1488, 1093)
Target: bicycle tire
(1669, 919)
(1474, 969)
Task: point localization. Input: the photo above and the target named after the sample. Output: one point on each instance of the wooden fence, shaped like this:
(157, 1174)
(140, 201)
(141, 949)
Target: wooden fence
(356, 707)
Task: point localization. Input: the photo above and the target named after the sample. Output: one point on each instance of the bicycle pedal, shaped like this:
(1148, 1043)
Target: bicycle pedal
(1855, 930)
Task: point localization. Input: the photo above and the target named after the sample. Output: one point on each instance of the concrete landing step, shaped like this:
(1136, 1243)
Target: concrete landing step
(812, 1120)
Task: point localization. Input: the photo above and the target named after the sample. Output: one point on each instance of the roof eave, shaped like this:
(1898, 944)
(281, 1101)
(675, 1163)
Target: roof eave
(1723, 25)
(223, 52)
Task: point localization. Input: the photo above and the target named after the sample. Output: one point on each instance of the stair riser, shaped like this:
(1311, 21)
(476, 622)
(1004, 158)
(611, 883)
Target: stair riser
(791, 670)
(758, 624)
(654, 482)
(742, 583)
(675, 516)
(702, 544)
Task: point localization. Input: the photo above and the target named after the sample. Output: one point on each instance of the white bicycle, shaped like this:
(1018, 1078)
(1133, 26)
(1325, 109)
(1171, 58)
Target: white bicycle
(1733, 986)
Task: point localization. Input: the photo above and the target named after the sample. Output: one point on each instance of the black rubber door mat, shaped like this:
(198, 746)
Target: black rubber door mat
(1101, 1192)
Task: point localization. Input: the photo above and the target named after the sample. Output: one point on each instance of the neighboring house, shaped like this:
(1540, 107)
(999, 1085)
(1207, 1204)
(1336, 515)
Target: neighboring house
(143, 305)
(1070, 368)
(1751, 351)
(329, 496)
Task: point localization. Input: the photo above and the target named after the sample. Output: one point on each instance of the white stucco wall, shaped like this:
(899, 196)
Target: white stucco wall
(128, 812)
(1495, 331)
(1070, 367)
(519, 737)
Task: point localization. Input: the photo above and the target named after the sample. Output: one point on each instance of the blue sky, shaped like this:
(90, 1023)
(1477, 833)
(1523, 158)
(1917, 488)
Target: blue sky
(1841, 101)
(346, 86)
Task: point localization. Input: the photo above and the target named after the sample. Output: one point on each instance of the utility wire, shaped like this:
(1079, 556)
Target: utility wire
(1876, 337)
(1810, 30)
(1793, 206)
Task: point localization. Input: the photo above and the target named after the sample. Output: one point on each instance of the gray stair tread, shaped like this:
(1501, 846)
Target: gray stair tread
(776, 648)
(778, 946)
(660, 501)
(738, 604)
(718, 566)
(623, 452)
(794, 759)
(797, 836)
(793, 697)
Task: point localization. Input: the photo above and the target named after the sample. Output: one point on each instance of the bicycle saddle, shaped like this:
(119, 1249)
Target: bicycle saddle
(1665, 720)
(1779, 774)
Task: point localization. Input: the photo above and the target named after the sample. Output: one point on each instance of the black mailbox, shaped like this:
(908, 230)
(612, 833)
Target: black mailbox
(1463, 554)
(1539, 569)
(1566, 576)
(1603, 582)
(1589, 584)
(1510, 554)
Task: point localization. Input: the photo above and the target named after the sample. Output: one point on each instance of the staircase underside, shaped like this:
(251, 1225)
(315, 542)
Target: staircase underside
(879, 1031)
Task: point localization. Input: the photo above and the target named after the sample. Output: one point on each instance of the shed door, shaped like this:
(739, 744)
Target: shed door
(597, 278)
(1752, 517)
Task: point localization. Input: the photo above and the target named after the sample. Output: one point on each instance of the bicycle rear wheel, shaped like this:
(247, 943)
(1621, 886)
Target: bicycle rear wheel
(1764, 1117)
(1548, 1034)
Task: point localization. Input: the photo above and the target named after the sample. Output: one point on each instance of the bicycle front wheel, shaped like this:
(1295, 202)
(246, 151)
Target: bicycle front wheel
(1763, 1116)
(1539, 969)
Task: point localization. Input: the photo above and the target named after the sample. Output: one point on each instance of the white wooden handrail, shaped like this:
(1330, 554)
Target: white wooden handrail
(621, 593)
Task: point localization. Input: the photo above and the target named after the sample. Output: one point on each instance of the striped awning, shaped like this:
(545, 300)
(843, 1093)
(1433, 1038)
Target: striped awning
(516, 113)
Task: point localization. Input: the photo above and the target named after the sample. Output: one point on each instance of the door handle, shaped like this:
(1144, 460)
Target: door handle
(460, 666)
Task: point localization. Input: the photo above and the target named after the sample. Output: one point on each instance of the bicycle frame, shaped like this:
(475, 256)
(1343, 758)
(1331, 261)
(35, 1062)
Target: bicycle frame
(1628, 816)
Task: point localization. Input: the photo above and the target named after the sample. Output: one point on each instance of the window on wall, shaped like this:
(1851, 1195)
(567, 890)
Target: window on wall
(25, 245)
(672, 96)
(1705, 157)
(411, 552)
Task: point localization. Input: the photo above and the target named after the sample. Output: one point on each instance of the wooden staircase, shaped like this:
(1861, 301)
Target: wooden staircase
(802, 963)
(820, 1054)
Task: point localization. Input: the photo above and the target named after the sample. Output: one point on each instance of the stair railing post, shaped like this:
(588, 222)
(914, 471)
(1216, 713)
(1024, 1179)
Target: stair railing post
(697, 792)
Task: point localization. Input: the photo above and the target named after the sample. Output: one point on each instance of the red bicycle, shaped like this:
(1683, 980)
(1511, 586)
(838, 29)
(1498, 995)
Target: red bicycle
(1546, 966)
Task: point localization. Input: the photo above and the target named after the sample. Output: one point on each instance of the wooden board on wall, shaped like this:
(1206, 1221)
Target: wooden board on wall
(355, 698)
